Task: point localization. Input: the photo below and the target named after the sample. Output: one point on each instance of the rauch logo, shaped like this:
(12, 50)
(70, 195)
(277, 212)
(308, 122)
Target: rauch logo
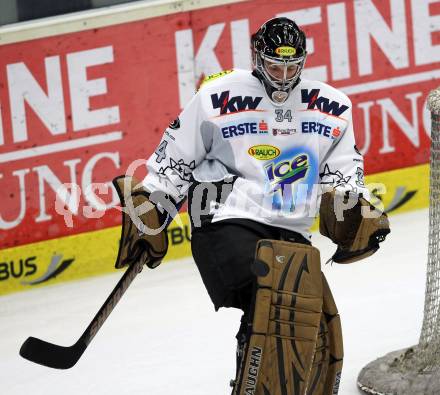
(264, 152)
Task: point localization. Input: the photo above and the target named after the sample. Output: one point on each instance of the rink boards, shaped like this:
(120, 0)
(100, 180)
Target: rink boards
(94, 253)
(83, 96)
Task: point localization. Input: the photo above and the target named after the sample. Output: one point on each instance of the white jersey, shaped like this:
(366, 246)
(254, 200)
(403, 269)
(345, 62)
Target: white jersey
(235, 154)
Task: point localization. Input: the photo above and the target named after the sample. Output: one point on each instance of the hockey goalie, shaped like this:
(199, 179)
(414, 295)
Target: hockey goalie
(258, 154)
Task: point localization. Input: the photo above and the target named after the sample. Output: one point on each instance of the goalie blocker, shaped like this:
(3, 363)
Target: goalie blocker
(294, 345)
(143, 234)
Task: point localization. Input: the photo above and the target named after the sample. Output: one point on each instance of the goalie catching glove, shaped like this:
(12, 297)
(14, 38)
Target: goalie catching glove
(357, 230)
(143, 234)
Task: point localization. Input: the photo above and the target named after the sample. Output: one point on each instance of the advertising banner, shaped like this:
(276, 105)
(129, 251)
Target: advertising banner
(76, 109)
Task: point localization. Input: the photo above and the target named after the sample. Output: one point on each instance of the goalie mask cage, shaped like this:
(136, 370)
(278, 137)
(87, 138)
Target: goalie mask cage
(416, 370)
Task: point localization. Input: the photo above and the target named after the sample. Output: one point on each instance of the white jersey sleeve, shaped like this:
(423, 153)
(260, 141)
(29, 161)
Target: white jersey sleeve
(179, 152)
(343, 166)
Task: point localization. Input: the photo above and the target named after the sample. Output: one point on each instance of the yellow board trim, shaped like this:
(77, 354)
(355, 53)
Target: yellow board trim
(29, 263)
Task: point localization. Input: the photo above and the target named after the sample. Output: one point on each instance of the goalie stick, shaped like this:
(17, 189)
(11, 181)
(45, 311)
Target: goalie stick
(61, 357)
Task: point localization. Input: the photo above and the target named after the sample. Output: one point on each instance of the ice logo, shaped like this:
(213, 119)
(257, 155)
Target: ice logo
(288, 171)
(289, 179)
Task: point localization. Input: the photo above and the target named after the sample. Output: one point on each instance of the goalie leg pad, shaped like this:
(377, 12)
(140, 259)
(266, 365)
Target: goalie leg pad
(329, 353)
(285, 322)
(336, 349)
(320, 361)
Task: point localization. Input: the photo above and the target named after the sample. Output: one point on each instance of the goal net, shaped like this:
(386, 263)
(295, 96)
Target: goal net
(416, 370)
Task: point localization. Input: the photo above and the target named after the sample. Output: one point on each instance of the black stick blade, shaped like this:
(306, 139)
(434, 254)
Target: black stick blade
(52, 355)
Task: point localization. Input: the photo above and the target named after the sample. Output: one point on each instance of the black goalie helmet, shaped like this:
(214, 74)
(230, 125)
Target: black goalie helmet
(279, 53)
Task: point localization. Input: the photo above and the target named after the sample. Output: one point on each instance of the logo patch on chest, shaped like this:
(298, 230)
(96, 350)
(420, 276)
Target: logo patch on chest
(322, 129)
(264, 152)
(230, 105)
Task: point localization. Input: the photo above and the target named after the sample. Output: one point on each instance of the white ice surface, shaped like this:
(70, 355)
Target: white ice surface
(164, 337)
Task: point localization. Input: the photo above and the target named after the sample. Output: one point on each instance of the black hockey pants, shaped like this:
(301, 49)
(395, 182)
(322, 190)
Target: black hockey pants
(224, 251)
